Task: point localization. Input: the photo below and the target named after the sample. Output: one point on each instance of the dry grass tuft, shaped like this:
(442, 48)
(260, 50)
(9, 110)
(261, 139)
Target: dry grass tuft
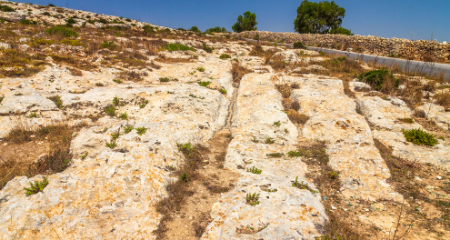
(237, 72)
(297, 118)
(75, 72)
(443, 99)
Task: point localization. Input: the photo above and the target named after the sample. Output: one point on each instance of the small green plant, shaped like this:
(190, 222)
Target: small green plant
(33, 115)
(194, 96)
(270, 190)
(183, 176)
(117, 81)
(192, 73)
(115, 135)
(376, 78)
(116, 101)
(277, 123)
(1, 99)
(224, 56)
(62, 31)
(201, 69)
(141, 130)
(419, 137)
(204, 84)
(123, 116)
(143, 104)
(111, 145)
(128, 129)
(252, 199)
(223, 91)
(292, 154)
(333, 175)
(269, 140)
(84, 155)
(255, 140)
(254, 170)
(37, 186)
(164, 79)
(274, 155)
(57, 100)
(442, 138)
(303, 186)
(286, 131)
(406, 120)
(99, 85)
(6, 8)
(111, 111)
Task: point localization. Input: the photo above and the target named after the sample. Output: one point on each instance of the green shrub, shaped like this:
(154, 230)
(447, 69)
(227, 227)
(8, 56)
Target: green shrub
(292, 154)
(376, 78)
(419, 137)
(38, 186)
(57, 100)
(216, 29)
(143, 104)
(223, 91)
(128, 20)
(70, 22)
(111, 145)
(164, 79)
(201, 69)
(123, 116)
(269, 140)
(141, 130)
(108, 44)
(274, 155)
(128, 129)
(61, 30)
(207, 48)
(277, 123)
(116, 101)
(183, 176)
(6, 8)
(299, 45)
(33, 115)
(252, 199)
(178, 47)
(224, 56)
(117, 81)
(111, 111)
(1, 99)
(115, 135)
(254, 170)
(406, 120)
(28, 22)
(204, 84)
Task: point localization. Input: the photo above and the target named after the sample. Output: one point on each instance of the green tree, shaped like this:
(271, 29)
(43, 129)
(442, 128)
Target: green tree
(216, 29)
(341, 30)
(194, 29)
(246, 23)
(320, 17)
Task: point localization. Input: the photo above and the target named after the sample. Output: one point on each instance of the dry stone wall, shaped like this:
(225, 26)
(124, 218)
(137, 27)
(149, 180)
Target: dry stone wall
(423, 50)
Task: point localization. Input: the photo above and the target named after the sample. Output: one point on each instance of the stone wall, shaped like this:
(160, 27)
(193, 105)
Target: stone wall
(423, 50)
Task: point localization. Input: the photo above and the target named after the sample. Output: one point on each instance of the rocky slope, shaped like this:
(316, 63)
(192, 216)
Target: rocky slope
(134, 111)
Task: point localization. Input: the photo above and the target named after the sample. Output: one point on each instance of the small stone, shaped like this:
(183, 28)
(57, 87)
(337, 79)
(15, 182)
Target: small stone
(333, 207)
(438, 177)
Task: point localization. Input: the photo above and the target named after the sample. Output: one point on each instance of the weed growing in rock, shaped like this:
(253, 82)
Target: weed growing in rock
(141, 130)
(201, 69)
(123, 116)
(109, 45)
(143, 104)
(277, 123)
(222, 90)
(33, 115)
(37, 186)
(117, 81)
(254, 170)
(194, 96)
(164, 79)
(286, 130)
(419, 137)
(116, 101)
(1, 99)
(99, 85)
(333, 175)
(224, 56)
(292, 154)
(204, 83)
(128, 129)
(60, 30)
(207, 48)
(115, 135)
(252, 199)
(380, 79)
(303, 186)
(274, 155)
(111, 111)
(406, 120)
(82, 157)
(57, 100)
(269, 140)
(111, 145)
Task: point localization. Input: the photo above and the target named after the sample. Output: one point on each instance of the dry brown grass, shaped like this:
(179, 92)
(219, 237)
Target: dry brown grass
(165, 59)
(237, 72)
(57, 157)
(284, 89)
(14, 63)
(443, 99)
(75, 72)
(297, 118)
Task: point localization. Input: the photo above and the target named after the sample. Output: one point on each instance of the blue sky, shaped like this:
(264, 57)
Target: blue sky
(385, 18)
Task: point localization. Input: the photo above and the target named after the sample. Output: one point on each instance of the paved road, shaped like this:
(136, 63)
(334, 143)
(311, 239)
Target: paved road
(414, 66)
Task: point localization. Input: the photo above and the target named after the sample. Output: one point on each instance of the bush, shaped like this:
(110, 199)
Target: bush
(164, 79)
(141, 130)
(204, 84)
(207, 48)
(5, 8)
(224, 56)
(223, 91)
(298, 118)
(108, 44)
(419, 137)
(28, 22)
(299, 45)
(38, 186)
(178, 47)
(61, 30)
(378, 78)
(201, 69)
(111, 111)
(57, 100)
(70, 22)
(195, 29)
